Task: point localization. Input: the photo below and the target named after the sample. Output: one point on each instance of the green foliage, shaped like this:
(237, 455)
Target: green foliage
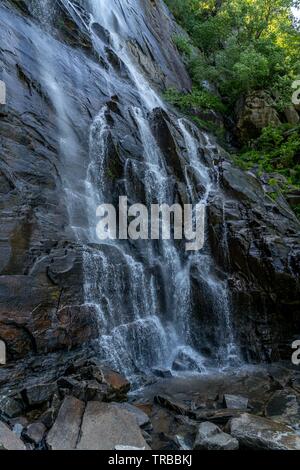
(196, 99)
(240, 45)
(276, 151)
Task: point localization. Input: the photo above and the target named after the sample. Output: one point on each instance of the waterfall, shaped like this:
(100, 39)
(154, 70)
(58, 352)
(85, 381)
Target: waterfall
(143, 293)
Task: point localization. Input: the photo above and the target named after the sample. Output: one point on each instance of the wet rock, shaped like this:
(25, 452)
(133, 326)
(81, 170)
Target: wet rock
(295, 382)
(235, 402)
(181, 443)
(184, 362)
(210, 437)
(106, 426)
(65, 431)
(163, 373)
(71, 386)
(179, 366)
(101, 32)
(259, 433)
(119, 385)
(40, 394)
(167, 139)
(280, 374)
(48, 417)
(35, 433)
(218, 416)
(70, 31)
(284, 407)
(10, 407)
(175, 405)
(20, 5)
(9, 440)
(96, 392)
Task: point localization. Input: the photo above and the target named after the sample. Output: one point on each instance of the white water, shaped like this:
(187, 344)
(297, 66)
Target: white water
(143, 296)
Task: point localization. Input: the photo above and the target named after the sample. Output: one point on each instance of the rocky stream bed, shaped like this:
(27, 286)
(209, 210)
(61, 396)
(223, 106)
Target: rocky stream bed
(82, 404)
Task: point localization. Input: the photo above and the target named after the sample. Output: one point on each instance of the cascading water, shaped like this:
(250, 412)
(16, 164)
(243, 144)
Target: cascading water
(141, 292)
(142, 334)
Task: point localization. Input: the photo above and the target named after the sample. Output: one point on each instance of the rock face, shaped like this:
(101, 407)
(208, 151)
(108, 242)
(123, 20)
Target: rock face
(257, 111)
(254, 113)
(41, 276)
(44, 307)
(262, 261)
(261, 433)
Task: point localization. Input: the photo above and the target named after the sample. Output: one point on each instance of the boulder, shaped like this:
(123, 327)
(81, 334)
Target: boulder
(162, 373)
(218, 416)
(96, 391)
(141, 418)
(9, 440)
(65, 431)
(255, 112)
(284, 407)
(119, 385)
(173, 404)
(184, 362)
(106, 426)
(235, 402)
(255, 432)
(10, 407)
(211, 437)
(35, 433)
(48, 417)
(39, 394)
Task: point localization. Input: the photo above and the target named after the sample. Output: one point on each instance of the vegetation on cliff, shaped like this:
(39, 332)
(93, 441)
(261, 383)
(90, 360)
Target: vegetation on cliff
(235, 48)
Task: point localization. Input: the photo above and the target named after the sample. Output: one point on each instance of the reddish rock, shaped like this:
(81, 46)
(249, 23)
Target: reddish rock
(119, 384)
